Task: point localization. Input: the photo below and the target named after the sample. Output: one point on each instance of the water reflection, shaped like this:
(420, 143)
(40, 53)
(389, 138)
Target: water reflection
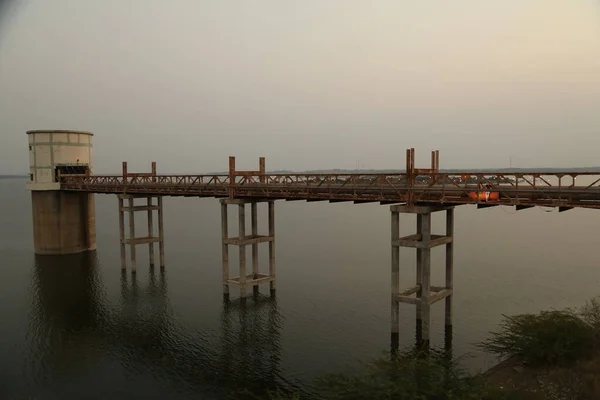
(81, 343)
(65, 315)
(250, 344)
(143, 321)
(421, 345)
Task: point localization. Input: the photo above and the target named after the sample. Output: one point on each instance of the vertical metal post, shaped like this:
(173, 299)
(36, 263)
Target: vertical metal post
(449, 264)
(254, 221)
(410, 169)
(132, 235)
(272, 245)
(426, 276)
(122, 232)
(262, 169)
(124, 167)
(150, 232)
(161, 232)
(409, 176)
(225, 248)
(231, 176)
(395, 321)
(242, 248)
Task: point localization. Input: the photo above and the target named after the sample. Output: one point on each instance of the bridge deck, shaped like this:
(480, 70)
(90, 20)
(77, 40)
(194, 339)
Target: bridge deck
(554, 189)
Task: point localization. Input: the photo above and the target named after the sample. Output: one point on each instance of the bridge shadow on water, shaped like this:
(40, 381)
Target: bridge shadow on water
(84, 344)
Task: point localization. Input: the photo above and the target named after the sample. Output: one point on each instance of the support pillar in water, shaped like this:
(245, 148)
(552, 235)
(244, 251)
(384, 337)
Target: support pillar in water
(127, 204)
(422, 294)
(255, 278)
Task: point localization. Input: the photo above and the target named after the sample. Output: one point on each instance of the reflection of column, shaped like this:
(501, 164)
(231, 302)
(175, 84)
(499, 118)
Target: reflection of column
(250, 351)
(153, 295)
(448, 341)
(421, 347)
(67, 312)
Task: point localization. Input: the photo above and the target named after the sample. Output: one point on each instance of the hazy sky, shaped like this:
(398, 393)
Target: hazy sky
(308, 84)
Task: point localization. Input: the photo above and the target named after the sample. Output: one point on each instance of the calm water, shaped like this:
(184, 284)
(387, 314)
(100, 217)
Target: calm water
(76, 327)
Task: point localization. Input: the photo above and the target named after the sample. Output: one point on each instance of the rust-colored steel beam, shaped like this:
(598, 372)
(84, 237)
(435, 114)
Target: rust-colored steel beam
(427, 186)
(262, 170)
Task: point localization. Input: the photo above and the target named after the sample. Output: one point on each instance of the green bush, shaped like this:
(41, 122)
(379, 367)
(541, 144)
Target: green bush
(548, 338)
(409, 376)
(590, 313)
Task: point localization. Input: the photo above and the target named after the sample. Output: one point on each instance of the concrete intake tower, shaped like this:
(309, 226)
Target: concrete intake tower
(63, 222)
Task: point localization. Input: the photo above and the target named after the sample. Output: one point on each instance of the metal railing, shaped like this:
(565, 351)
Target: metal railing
(523, 188)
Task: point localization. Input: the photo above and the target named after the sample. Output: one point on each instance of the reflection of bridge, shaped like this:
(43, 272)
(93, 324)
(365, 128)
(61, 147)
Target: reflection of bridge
(73, 326)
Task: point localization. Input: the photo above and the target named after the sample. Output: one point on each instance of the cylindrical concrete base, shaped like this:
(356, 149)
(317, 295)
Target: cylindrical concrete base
(63, 222)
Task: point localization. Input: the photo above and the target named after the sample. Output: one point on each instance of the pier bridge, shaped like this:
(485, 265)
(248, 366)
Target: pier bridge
(63, 186)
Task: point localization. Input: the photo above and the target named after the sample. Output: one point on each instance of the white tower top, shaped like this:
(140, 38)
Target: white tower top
(54, 152)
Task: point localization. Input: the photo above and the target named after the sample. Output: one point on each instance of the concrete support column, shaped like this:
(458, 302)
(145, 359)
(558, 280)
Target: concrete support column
(425, 286)
(395, 306)
(422, 294)
(242, 249)
(132, 240)
(449, 266)
(225, 248)
(254, 218)
(271, 205)
(419, 281)
(150, 232)
(161, 232)
(244, 279)
(63, 222)
(132, 243)
(122, 233)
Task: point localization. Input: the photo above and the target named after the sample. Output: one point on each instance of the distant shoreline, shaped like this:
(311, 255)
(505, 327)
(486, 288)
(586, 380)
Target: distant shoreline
(13, 176)
(373, 171)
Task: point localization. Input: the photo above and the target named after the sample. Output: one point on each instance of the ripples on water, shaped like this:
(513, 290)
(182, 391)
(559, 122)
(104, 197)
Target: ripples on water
(74, 327)
(79, 342)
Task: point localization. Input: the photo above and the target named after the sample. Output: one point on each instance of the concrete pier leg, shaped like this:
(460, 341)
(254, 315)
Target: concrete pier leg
(425, 294)
(419, 281)
(272, 246)
(150, 231)
(63, 222)
(395, 306)
(132, 235)
(242, 248)
(161, 233)
(426, 276)
(225, 248)
(254, 218)
(449, 266)
(122, 233)
(256, 277)
(134, 241)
